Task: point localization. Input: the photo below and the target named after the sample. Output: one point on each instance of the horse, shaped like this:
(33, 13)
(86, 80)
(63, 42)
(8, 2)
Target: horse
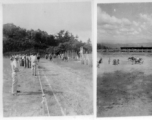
(131, 58)
(135, 60)
(139, 60)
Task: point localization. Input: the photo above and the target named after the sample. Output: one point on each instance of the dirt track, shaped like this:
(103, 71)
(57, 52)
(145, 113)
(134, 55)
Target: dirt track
(124, 89)
(68, 91)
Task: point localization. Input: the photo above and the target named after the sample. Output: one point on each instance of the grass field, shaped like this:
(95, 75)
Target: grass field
(67, 86)
(124, 89)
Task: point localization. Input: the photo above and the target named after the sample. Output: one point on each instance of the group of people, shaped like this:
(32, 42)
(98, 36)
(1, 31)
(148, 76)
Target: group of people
(62, 56)
(115, 61)
(49, 56)
(22, 60)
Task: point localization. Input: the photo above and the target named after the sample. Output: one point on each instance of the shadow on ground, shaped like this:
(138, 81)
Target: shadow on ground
(119, 88)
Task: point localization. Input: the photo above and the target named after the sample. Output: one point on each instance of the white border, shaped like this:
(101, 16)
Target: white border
(40, 1)
(1, 63)
(94, 41)
(94, 19)
(88, 117)
(119, 1)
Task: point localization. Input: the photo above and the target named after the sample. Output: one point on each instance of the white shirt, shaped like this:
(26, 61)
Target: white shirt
(14, 65)
(22, 56)
(33, 59)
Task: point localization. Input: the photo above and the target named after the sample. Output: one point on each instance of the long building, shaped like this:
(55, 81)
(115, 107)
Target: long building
(128, 49)
(136, 49)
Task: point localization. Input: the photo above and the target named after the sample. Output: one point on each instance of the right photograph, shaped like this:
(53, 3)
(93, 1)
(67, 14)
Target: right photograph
(124, 58)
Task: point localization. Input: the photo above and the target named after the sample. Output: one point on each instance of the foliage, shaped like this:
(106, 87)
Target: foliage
(101, 46)
(16, 39)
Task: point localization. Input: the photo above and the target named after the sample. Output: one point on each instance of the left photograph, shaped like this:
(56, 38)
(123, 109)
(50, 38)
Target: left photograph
(47, 59)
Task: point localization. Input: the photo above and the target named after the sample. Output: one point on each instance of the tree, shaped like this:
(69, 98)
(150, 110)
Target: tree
(19, 39)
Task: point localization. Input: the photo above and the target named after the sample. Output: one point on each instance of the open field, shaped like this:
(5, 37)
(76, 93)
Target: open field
(67, 85)
(124, 89)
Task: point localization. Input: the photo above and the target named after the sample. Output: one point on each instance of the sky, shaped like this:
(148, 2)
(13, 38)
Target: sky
(74, 17)
(124, 23)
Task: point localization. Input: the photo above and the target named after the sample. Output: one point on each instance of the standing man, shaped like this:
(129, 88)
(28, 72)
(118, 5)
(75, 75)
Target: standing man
(50, 56)
(22, 60)
(81, 54)
(30, 60)
(25, 61)
(15, 70)
(46, 56)
(109, 60)
(34, 63)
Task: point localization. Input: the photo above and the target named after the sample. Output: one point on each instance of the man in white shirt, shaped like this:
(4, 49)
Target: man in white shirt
(34, 63)
(15, 71)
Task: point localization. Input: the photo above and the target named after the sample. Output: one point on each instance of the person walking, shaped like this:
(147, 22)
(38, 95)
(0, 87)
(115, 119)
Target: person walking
(99, 62)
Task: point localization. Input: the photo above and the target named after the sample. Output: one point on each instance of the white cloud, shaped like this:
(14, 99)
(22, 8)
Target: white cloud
(146, 17)
(135, 23)
(139, 29)
(143, 26)
(104, 18)
(114, 25)
(135, 32)
(122, 29)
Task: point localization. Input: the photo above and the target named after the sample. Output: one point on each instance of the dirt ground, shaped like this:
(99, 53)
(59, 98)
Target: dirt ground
(68, 88)
(124, 89)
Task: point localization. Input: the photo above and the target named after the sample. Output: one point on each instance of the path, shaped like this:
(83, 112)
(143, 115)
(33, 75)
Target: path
(68, 91)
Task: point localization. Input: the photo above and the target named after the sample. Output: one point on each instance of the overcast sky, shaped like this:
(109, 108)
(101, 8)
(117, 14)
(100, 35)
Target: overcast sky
(51, 17)
(124, 22)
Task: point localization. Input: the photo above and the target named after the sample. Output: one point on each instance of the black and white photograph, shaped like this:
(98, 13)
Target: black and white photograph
(124, 57)
(47, 59)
